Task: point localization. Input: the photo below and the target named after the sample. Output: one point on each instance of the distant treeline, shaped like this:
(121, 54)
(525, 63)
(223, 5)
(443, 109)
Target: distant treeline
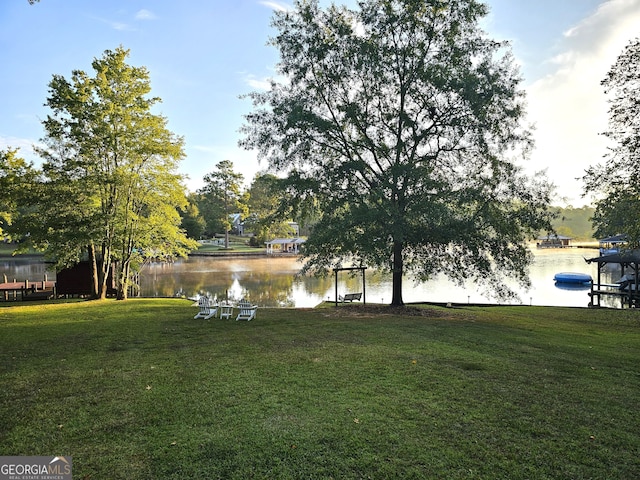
(574, 222)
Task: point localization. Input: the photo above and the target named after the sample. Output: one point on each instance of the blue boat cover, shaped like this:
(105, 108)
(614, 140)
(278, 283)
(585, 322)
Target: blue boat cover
(572, 277)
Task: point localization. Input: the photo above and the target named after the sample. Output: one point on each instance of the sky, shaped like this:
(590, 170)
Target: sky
(203, 55)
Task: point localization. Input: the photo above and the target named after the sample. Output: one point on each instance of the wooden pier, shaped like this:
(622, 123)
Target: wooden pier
(26, 290)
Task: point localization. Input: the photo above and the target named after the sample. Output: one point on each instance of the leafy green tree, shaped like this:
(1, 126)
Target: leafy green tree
(615, 183)
(111, 189)
(220, 197)
(402, 120)
(16, 180)
(211, 212)
(267, 219)
(192, 222)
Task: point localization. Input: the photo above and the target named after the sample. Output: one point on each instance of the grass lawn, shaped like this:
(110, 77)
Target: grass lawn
(237, 244)
(140, 390)
(233, 248)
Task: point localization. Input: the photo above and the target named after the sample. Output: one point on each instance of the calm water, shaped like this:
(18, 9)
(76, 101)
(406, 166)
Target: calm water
(272, 281)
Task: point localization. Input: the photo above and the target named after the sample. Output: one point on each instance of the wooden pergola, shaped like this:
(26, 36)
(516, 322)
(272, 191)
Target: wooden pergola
(351, 269)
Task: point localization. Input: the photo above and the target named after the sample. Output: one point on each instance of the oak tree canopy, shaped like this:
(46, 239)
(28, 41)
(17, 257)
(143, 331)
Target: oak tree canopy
(403, 121)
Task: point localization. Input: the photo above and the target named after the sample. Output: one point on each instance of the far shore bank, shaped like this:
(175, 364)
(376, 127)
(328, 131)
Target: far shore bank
(196, 253)
(260, 252)
(229, 253)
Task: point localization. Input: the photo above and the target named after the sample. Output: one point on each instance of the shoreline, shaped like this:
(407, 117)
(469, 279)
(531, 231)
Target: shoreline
(228, 254)
(263, 252)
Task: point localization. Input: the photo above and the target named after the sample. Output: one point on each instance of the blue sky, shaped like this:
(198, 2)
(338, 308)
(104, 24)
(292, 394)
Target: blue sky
(203, 54)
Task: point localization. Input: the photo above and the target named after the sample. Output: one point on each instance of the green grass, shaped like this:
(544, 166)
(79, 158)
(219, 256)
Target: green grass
(237, 244)
(140, 390)
(233, 247)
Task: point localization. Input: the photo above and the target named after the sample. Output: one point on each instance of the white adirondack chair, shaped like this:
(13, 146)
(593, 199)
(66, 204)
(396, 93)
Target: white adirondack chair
(226, 309)
(207, 308)
(247, 311)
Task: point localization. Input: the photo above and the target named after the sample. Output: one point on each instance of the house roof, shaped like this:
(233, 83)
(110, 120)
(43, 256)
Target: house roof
(285, 241)
(622, 238)
(554, 237)
(627, 256)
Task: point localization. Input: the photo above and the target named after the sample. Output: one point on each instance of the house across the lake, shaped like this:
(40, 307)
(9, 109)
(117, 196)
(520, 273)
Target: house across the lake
(284, 245)
(237, 224)
(554, 241)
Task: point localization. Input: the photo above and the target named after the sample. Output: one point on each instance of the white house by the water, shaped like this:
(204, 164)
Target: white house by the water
(284, 245)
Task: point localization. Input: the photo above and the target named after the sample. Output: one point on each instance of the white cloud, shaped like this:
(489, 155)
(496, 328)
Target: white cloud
(258, 83)
(263, 83)
(24, 144)
(145, 15)
(121, 26)
(279, 6)
(24, 147)
(568, 106)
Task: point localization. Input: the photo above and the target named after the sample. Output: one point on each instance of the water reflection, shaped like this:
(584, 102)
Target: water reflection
(272, 281)
(266, 281)
(31, 268)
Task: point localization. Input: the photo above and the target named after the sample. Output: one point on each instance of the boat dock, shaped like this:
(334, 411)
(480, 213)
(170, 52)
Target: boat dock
(26, 290)
(627, 288)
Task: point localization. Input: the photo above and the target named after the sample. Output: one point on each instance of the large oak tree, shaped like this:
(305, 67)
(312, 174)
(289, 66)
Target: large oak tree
(403, 121)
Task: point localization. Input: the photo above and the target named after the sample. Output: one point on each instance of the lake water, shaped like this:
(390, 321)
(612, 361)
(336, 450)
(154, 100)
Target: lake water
(272, 281)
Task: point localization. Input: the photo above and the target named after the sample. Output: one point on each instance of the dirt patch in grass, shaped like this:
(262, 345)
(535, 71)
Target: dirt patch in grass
(364, 311)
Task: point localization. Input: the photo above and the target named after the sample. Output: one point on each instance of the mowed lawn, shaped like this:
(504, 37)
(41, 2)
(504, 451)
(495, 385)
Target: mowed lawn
(141, 390)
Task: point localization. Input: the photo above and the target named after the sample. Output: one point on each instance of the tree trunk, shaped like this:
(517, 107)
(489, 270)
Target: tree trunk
(396, 299)
(226, 218)
(93, 262)
(103, 273)
(123, 281)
